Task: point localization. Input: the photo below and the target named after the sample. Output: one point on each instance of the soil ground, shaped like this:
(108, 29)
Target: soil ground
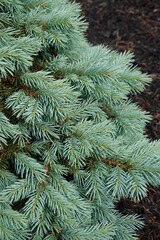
(135, 26)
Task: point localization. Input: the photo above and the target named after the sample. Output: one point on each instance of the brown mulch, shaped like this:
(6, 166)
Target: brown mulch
(135, 26)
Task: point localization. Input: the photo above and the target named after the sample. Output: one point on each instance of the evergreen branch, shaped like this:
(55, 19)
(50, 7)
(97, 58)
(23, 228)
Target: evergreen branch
(115, 163)
(47, 168)
(71, 143)
(28, 167)
(103, 231)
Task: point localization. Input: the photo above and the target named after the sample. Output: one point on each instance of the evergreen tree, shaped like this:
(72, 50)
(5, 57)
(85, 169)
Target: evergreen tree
(71, 142)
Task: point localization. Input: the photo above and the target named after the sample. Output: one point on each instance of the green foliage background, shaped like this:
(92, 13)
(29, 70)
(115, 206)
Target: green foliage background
(71, 142)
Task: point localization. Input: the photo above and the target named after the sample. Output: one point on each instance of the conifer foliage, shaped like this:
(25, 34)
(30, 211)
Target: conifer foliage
(71, 142)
